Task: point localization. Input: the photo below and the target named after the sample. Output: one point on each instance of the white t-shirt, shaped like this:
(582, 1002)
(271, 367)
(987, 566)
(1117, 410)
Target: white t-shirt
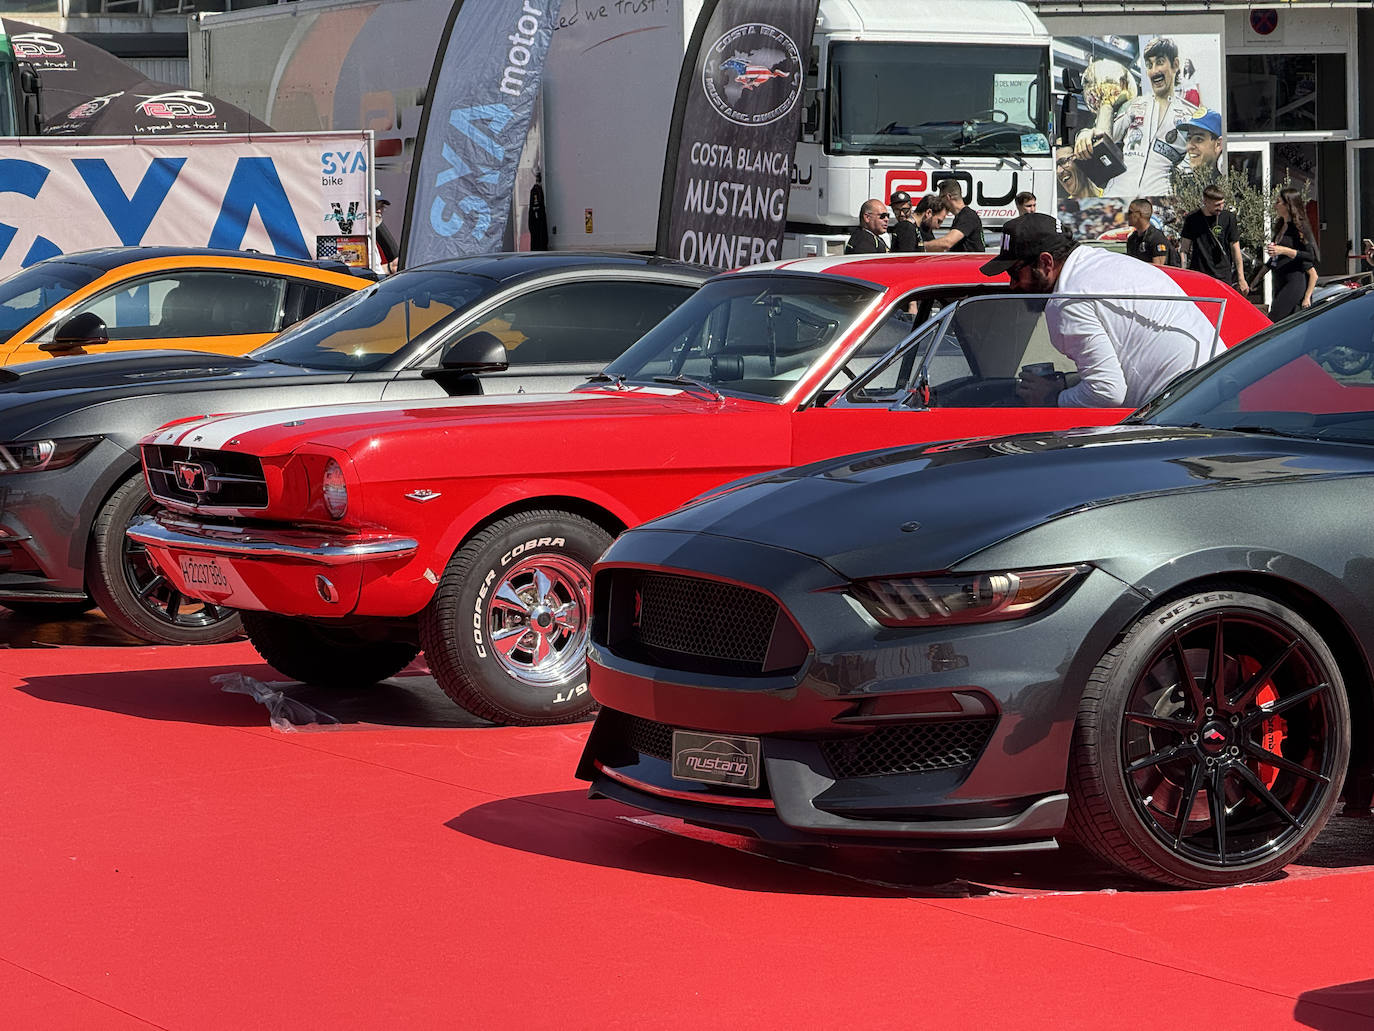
(1126, 349)
(1139, 129)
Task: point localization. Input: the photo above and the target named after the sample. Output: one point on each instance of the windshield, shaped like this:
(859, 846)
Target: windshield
(1312, 376)
(30, 292)
(939, 98)
(362, 331)
(752, 335)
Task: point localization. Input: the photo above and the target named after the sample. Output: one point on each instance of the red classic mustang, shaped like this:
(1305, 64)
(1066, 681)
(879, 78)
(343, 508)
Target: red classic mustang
(353, 536)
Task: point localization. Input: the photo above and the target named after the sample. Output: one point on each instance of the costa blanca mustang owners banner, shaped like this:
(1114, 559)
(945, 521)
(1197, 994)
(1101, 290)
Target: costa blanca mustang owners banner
(482, 93)
(734, 130)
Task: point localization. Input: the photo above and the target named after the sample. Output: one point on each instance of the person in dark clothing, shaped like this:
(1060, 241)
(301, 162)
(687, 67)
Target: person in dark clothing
(868, 237)
(1147, 242)
(906, 235)
(966, 232)
(1210, 239)
(1292, 256)
(387, 251)
(930, 212)
(539, 216)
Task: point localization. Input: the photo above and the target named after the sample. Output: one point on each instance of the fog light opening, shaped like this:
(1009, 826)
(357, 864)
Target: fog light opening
(327, 590)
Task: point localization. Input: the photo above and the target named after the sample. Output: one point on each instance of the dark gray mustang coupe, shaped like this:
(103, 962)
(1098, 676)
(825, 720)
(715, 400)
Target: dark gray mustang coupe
(1154, 637)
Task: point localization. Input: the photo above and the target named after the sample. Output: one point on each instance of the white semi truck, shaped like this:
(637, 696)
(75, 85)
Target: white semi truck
(901, 94)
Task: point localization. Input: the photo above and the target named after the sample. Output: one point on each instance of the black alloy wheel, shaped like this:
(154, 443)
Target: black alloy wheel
(1229, 746)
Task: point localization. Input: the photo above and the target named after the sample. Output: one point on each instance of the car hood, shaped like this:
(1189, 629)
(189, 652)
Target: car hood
(925, 509)
(357, 425)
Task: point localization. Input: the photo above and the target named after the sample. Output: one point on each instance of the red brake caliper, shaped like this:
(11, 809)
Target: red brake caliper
(1272, 731)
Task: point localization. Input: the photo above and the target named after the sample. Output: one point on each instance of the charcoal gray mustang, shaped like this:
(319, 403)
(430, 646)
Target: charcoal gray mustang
(1154, 637)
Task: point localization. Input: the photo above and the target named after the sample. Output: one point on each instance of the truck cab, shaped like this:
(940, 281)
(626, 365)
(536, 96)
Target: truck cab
(903, 96)
(19, 92)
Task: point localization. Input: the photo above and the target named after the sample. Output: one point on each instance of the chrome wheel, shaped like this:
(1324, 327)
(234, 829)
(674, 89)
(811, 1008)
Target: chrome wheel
(537, 619)
(1229, 744)
(155, 594)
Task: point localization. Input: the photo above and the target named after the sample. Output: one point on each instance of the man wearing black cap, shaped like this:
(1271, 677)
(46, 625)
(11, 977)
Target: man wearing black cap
(906, 235)
(1127, 345)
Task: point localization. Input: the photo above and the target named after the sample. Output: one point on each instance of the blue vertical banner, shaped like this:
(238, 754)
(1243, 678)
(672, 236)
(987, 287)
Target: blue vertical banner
(734, 132)
(481, 97)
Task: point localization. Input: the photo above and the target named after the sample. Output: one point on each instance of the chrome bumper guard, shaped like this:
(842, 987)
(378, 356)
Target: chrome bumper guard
(237, 543)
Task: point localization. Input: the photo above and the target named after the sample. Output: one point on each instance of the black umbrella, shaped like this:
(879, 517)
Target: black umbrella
(148, 108)
(73, 71)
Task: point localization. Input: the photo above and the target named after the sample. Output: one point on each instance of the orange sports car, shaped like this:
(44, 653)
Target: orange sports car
(127, 298)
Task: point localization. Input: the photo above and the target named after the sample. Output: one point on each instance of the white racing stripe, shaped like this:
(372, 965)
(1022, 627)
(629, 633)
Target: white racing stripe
(215, 432)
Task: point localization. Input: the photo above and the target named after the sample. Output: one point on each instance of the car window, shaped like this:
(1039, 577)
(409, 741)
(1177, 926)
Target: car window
(587, 323)
(27, 294)
(188, 304)
(304, 299)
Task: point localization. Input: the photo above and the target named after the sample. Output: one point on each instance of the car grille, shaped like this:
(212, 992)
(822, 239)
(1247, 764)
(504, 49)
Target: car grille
(695, 624)
(705, 618)
(226, 479)
(910, 748)
(649, 738)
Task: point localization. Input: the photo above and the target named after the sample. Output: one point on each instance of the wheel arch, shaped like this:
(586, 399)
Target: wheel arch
(584, 507)
(1325, 617)
(102, 489)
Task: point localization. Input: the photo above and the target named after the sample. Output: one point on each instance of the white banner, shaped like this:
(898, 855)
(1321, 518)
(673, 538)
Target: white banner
(297, 195)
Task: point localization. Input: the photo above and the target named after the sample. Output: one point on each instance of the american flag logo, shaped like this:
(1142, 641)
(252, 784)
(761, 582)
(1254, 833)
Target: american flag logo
(751, 76)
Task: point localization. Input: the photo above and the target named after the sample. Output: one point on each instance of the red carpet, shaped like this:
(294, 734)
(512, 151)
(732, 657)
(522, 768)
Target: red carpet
(170, 861)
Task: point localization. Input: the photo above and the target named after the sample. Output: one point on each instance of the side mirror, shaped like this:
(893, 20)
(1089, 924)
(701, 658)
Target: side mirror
(811, 114)
(31, 91)
(474, 353)
(1072, 80)
(77, 333)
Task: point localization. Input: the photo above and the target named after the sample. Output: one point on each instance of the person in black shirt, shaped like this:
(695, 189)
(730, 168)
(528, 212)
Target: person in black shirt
(868, 237)
(930, 212)
(1147, 242)
(906, 237)
(966, 232)
(1210, 239)
(1292, 256)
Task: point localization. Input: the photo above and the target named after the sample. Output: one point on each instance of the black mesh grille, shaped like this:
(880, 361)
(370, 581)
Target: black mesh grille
(213, 479)
(910, 748)
(649, 738)
(705, 618)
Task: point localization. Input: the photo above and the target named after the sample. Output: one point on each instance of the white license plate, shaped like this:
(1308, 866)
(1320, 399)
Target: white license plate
(716, 758)
(204, 573)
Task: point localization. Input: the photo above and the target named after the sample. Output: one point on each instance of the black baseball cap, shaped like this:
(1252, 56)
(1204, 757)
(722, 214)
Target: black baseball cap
(899, 199)
(1024, 238)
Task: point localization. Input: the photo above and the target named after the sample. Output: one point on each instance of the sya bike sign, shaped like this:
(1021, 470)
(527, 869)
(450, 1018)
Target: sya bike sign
(282, 194)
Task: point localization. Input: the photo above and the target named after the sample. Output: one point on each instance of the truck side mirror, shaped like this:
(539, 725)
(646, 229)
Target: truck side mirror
(811, 114)
(31, 90)
(77, 333)
(1072, 80)
(474, 353)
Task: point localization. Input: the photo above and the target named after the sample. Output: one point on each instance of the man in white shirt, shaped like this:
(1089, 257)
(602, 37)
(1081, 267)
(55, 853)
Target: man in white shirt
(1137, 333)
(1141, 126)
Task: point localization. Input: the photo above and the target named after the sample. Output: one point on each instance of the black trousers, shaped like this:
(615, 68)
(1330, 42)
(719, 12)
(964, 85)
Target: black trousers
(1288, 290)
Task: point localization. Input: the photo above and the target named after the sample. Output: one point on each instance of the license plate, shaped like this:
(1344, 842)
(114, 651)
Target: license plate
(204, 573)
(716, 758)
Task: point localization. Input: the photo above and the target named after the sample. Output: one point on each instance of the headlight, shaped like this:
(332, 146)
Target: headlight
(974, 598)
(335, 490)
(31, 456)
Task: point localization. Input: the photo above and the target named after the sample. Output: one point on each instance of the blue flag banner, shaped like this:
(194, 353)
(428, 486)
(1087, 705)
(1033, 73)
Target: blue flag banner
(481, 97)
(734, 131)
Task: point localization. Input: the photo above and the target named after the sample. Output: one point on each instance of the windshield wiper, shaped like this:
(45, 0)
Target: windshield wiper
(1267, 431)
(687, 381)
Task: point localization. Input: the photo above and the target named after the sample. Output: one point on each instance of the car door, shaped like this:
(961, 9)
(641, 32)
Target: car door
(556, 334)
(953, 377)
(219, 310)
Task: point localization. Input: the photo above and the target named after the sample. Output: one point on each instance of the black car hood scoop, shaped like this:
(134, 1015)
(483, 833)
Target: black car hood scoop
(945, 502)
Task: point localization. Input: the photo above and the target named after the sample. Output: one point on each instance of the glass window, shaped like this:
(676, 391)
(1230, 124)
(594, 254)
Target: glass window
(1285, 93)
(747, 334)
(188, 304)
(304, 299)
(948, 98)
(365, 329)
(588, 323)
(27, 294)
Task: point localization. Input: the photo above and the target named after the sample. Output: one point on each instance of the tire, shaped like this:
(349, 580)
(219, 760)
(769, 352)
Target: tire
(1161, 760)
(131, 591)
(47, 611)
(303, 650)
(505, 644)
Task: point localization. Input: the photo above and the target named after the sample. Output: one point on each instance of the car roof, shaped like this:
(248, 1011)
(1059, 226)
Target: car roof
(517, 264)
(109, 258)
(899, 272)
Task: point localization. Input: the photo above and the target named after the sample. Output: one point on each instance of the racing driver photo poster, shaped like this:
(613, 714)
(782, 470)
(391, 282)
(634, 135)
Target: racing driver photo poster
(1149, 114)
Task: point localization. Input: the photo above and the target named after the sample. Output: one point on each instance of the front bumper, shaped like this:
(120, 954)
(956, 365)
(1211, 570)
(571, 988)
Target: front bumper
(947, 737)
(291, 572)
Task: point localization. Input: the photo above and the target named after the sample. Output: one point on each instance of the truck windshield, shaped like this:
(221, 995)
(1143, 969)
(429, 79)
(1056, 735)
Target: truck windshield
(30, 292)
(938, 98)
